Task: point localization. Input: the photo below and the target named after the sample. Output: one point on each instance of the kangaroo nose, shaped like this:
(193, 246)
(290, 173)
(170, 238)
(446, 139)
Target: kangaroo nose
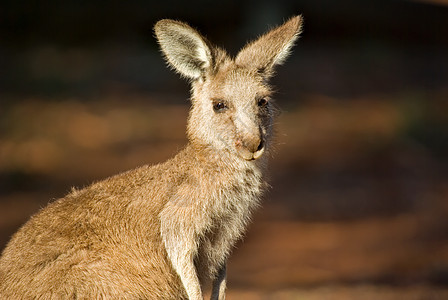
(250, 138)
(260, 146)
(253, 144)
(250, 148)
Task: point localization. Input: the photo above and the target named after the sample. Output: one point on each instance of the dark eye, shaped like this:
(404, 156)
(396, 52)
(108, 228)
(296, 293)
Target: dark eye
(219, 106)
(262, 102)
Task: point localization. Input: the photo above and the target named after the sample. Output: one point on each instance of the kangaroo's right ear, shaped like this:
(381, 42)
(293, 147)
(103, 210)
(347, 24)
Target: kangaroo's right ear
(184, 48)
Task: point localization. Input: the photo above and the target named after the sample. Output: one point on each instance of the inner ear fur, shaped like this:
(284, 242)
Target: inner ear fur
(185, 49)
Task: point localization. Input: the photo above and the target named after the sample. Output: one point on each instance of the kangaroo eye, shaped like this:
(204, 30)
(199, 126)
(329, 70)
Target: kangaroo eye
(219, 106)
(262, 102)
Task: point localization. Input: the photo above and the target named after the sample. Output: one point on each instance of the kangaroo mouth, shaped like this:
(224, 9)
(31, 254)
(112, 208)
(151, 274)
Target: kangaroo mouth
(249, 154)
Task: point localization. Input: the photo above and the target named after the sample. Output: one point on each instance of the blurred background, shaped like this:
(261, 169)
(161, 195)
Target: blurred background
(358, 207)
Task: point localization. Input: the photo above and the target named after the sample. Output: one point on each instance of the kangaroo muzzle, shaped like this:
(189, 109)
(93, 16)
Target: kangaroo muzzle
(250, 148)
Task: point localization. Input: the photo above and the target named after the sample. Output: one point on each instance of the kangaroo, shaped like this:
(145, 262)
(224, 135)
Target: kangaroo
(164, 231)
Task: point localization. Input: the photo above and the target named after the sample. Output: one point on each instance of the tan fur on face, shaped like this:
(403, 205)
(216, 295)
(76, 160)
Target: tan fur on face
(160, 232)
(243, 125)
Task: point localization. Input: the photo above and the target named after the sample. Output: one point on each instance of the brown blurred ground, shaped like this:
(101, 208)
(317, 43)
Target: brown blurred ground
(357, 209)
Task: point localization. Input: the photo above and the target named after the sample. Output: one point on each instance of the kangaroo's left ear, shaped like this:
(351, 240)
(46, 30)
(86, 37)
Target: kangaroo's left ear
(272, 48)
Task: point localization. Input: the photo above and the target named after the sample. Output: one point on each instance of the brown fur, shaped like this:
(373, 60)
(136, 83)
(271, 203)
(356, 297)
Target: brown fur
(159, 232)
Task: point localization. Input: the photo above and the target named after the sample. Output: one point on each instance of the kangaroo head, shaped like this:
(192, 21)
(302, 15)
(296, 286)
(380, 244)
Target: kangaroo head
(231, 98)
